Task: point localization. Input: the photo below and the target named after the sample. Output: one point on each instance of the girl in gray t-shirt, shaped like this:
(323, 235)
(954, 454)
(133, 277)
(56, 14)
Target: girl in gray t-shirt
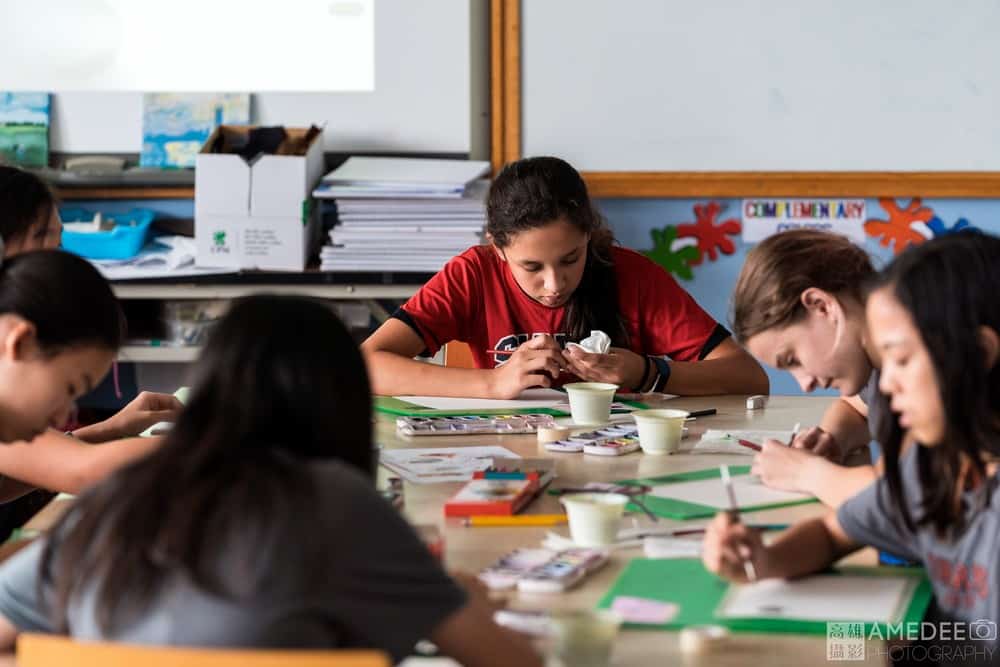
(935, 322)
(256, 524)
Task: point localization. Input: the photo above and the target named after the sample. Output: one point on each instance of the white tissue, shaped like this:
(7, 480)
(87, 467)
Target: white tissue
(597, 342)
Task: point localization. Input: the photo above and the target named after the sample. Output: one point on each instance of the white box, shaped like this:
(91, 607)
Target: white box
(256, 215)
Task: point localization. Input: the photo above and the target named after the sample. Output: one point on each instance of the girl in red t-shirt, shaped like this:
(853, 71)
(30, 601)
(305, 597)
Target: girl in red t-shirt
(551, 274)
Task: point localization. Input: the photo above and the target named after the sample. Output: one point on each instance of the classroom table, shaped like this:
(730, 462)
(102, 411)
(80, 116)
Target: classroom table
(471, 549)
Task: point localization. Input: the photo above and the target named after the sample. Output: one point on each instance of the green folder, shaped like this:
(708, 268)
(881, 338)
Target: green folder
(686, 583)
(400, 408)
(679, 509)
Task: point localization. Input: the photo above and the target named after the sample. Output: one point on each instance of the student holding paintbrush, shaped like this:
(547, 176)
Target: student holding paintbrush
(550, 275)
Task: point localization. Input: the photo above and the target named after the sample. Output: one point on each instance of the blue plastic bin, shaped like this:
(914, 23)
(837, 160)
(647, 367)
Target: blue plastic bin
(125, 240)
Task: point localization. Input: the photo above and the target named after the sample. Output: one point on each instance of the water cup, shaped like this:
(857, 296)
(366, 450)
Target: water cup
(590, 402)
(584, 638)
(594, 517)
(660, 431)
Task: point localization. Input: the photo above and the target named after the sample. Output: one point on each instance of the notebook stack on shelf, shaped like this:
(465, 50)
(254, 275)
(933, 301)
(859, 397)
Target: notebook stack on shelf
(403, 214)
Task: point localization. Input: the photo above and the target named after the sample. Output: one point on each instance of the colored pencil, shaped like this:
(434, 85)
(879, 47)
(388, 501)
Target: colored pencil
(520, 520)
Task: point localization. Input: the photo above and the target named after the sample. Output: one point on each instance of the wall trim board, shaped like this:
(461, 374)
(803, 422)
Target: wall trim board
(136, 192)
(505, 82)
(735, 184)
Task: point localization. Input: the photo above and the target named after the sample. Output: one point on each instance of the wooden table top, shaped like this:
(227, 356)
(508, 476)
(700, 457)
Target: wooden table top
(471, 549)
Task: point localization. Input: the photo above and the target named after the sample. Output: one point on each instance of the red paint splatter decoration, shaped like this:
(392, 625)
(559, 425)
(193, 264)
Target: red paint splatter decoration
(898, 229)
(712, 237)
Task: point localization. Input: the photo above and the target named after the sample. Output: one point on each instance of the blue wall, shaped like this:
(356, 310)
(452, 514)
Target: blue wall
(632, 220)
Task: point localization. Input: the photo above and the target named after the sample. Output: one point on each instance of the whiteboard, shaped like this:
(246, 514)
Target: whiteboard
(431, 68)
(762, 85)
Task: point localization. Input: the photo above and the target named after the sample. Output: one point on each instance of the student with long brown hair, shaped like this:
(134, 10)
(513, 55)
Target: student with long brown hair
(797, 306)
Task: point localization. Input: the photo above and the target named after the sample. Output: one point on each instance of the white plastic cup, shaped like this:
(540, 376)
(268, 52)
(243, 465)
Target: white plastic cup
(590, 402)
(584, 638)
(660, 431)
(594, 517)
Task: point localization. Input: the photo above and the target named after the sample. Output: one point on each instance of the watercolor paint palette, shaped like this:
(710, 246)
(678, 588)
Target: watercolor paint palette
(610, 441)
(472, 424)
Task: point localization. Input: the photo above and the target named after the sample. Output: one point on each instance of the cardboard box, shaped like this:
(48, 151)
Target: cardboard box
(256, 215)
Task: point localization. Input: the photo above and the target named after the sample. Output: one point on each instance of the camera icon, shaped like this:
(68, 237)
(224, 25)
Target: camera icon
(983, 630)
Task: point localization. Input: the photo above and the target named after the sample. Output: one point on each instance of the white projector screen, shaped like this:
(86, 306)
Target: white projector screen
(430, 69)
(188, 45)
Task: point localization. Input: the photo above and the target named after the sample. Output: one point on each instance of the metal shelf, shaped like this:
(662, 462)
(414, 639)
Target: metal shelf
(158, 354)
(196, 291)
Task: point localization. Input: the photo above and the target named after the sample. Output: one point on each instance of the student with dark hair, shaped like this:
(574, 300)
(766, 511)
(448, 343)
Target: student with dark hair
(797, 306)
(29, 212)
(29, 220)
(60, 329)
(551, 274)
(257, 523)
(935, 322)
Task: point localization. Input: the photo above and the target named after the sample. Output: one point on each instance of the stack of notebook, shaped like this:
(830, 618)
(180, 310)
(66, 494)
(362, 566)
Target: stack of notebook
(403, 214)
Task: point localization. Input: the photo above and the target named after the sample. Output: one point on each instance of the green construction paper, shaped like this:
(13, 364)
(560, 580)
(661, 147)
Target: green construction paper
(396, 406)
(678, 509)
(697, 592)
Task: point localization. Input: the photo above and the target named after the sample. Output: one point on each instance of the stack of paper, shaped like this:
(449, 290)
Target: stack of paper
(441, 464)
(402, 214)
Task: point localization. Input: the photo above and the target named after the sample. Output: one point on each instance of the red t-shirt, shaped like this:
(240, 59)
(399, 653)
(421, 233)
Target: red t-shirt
(475, 299)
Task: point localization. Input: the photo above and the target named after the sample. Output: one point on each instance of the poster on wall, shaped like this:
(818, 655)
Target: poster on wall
(765, 217)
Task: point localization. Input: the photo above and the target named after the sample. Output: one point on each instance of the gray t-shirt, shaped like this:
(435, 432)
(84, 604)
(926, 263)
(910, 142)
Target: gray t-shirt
(378, 587)
(965, 573)
(868, 395)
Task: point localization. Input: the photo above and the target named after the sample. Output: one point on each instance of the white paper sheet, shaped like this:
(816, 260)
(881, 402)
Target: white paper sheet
(673, 547)
(441, 464)
(531, 398)
(721, 441)
(166, 256)
(710, 492)
(823, 597)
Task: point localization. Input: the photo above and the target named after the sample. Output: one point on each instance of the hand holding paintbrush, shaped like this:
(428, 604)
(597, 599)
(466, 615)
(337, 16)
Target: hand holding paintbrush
(734, 516)
(731, 549)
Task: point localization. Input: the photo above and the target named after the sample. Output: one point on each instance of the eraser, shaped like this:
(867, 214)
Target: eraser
(756, 402)
(701, 639)
(547, 435)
